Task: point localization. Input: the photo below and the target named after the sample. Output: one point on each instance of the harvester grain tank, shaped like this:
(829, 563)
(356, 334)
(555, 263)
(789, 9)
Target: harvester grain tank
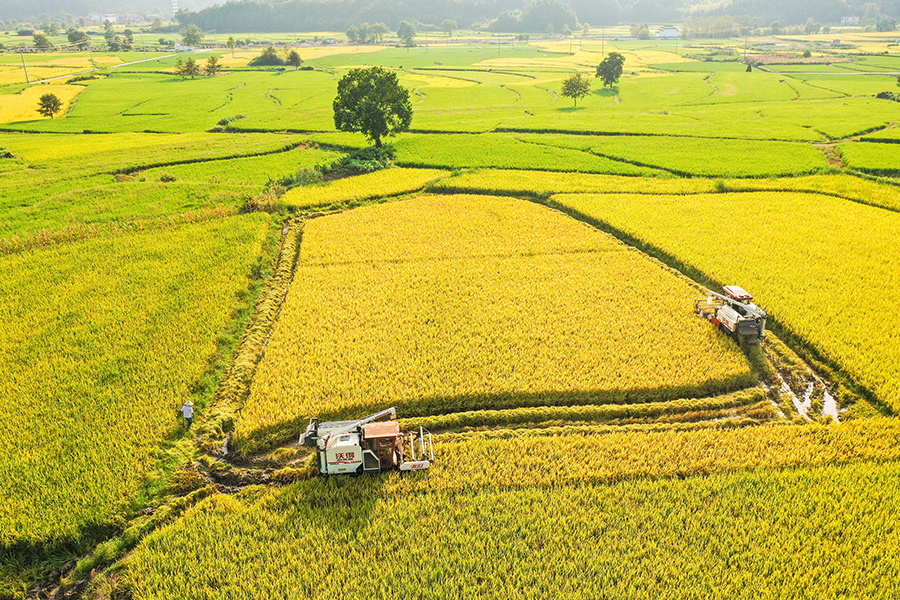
(364, 446)
(734, 313)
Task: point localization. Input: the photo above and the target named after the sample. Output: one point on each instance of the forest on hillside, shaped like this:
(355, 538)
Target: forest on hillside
(492, 15)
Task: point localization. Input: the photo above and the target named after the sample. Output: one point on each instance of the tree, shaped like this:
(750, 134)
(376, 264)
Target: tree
(641, 32)
(187, 68)
(294, 59)
(372, 102)
(886, 23)
(191, 68)
(231, 44)
(448, 25)
(191, 35)
(811, 27)
(379, 30)
(586, 29)
(212, 66)
(42, 41)
(353, 34)
(610, 69)
(406, 32)
(76, 36)
(49, 105)
(576, 86)
(108, 32)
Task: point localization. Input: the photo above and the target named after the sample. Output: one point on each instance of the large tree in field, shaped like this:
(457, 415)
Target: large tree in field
(49, 105)
(373, 102)
(576, 86)
(191, 35)
(610, 69)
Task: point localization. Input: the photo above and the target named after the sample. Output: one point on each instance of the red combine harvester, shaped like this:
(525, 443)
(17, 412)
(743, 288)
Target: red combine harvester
(734, 313)
(363, 446)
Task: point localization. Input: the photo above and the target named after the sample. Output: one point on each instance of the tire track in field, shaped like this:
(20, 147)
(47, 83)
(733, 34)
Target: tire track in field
(230, 95)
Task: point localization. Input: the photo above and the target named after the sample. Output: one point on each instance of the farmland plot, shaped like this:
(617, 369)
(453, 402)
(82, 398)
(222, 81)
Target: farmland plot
(100, 344)
(798, 267)
(441, 304)
(742, 534)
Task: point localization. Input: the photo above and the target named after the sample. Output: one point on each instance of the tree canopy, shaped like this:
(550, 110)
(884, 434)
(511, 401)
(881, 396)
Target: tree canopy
(576, 86)
(49, 105)
(191, 35)
(373, 102)
(610, 69)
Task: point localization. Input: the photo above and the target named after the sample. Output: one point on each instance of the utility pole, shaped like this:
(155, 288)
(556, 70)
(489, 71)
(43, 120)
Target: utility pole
(143, 44)
(602, 43)
(24, 67)
(91, 50)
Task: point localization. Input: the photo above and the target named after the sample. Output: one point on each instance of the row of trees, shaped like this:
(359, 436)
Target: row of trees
(191, 68)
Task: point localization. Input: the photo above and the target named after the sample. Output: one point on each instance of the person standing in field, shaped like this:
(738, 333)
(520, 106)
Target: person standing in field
(187, 411)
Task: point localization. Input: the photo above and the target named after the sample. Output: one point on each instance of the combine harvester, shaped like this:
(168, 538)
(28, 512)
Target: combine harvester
(363, 446)
(734, 313)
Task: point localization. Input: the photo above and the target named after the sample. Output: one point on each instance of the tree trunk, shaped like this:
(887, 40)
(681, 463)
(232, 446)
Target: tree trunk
(378, 141)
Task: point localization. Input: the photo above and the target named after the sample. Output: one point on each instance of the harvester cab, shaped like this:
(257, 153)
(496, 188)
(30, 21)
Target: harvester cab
(734, 313)
(364, 446)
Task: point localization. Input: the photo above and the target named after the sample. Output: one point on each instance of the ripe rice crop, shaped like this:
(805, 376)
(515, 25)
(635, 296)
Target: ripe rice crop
(825, 268)
(442, 534)
(543, 183)
(441, 304)
(100, 343)
(378, 184)
(23, 105)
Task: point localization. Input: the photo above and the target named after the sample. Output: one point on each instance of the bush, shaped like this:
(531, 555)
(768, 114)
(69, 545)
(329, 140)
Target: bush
(227, 120)
(301, 177)
(268, 58)
(166, 177)
(363, 161)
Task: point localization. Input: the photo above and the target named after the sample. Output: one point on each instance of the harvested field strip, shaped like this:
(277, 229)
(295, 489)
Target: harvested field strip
(551, 415)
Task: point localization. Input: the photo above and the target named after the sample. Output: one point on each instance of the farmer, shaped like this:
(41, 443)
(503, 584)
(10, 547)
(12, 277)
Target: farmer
(187, 411)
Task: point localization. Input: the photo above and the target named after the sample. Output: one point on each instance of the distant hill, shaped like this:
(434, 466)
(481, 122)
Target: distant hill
(508, 15)
(28, 10)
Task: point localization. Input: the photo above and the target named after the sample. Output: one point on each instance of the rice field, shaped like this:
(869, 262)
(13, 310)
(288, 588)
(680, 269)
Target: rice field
(102, 341)
(441, 304)
(594, 437)
(798, 267)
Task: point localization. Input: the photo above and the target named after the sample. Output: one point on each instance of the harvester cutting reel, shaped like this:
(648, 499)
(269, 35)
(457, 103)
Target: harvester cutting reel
(734, 313)
(363, 446)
